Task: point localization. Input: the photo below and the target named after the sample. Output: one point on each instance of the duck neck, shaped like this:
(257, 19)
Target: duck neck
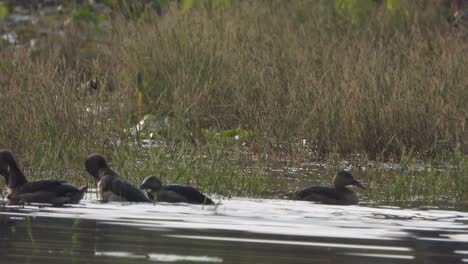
(151, 195)
(105, 171)
(16, 176)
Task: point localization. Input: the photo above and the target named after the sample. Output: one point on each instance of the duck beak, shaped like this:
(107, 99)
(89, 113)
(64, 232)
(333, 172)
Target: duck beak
(358, 184)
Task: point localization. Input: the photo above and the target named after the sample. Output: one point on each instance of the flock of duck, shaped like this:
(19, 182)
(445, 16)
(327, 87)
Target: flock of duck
(112, 187)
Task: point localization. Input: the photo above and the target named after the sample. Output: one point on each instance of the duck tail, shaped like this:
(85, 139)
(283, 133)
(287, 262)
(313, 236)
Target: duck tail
(83, 188)
(288, 195)
(81, 192)
(208, 201)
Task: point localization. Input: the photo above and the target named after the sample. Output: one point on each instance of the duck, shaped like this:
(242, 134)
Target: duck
(48, 191)
(337, 194)
(174, 193)
(111, 186)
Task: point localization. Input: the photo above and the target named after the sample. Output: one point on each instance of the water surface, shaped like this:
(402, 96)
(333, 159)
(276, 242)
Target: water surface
(237, 230)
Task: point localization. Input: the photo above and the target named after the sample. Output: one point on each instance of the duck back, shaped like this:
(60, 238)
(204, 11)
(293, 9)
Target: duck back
(116, 188)
(327, 195)
(56, 192)
(182, 193)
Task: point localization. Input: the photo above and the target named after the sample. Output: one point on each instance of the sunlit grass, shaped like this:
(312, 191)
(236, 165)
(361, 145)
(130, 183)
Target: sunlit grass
(295, 77)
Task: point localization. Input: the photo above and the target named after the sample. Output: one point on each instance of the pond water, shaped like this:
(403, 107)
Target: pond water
(238, 230)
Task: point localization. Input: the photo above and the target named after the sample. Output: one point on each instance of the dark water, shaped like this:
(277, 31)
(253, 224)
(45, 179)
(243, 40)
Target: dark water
(237, 231)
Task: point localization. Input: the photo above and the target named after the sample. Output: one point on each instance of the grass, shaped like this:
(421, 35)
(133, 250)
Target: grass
(392, 88)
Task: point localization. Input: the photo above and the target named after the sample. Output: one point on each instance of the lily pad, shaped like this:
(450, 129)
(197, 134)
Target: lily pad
(3, 12)
(230, 136)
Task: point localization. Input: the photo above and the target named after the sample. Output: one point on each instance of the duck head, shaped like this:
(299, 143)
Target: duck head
(6, 158)
(10, 170)
(345, 178)
(151, 183)
(95, 163)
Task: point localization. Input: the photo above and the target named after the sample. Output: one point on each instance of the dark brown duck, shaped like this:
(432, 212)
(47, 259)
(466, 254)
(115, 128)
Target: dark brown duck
(111, 186)
(173, 193)
(336, 194)
(50, 191)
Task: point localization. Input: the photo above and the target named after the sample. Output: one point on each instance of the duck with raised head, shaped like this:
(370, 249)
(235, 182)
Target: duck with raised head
(337, 194)
(49, 191)
(174, 193)
(111, 186)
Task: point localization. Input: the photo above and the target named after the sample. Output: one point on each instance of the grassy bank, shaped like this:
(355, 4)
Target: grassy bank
(304, 79)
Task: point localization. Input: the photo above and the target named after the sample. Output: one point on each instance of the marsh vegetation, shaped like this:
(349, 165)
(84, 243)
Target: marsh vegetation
(245, 97)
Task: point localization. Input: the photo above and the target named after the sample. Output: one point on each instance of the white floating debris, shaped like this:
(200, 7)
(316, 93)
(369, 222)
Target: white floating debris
(10, 37)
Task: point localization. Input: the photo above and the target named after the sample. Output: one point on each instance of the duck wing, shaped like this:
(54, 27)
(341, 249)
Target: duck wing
(59, 187)
(121, 187)
(56, 192)
(326, 195)
(191, 194)
(317, 191)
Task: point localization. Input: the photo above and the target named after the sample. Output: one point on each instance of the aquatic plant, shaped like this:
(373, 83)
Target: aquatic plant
(294, 79)
(3, 12)
(85, 14)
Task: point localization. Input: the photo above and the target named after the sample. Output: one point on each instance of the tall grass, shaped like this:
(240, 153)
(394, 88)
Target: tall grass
(286, 70)
(297, 70)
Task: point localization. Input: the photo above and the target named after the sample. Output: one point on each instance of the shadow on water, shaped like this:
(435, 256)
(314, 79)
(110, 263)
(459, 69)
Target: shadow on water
(237, 231)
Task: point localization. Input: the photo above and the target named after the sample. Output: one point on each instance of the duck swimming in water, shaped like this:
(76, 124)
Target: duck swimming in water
(50, 191)
(173, 193)
(111, 186)
(337, 194)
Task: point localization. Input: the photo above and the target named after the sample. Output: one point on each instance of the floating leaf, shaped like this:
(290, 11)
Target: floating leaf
(230, 136)
(113, 3)
(355, 9)
(87, 15)
(221, 3)
(187, 4)
(393, 5)
(3, 11)
(160, 3)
